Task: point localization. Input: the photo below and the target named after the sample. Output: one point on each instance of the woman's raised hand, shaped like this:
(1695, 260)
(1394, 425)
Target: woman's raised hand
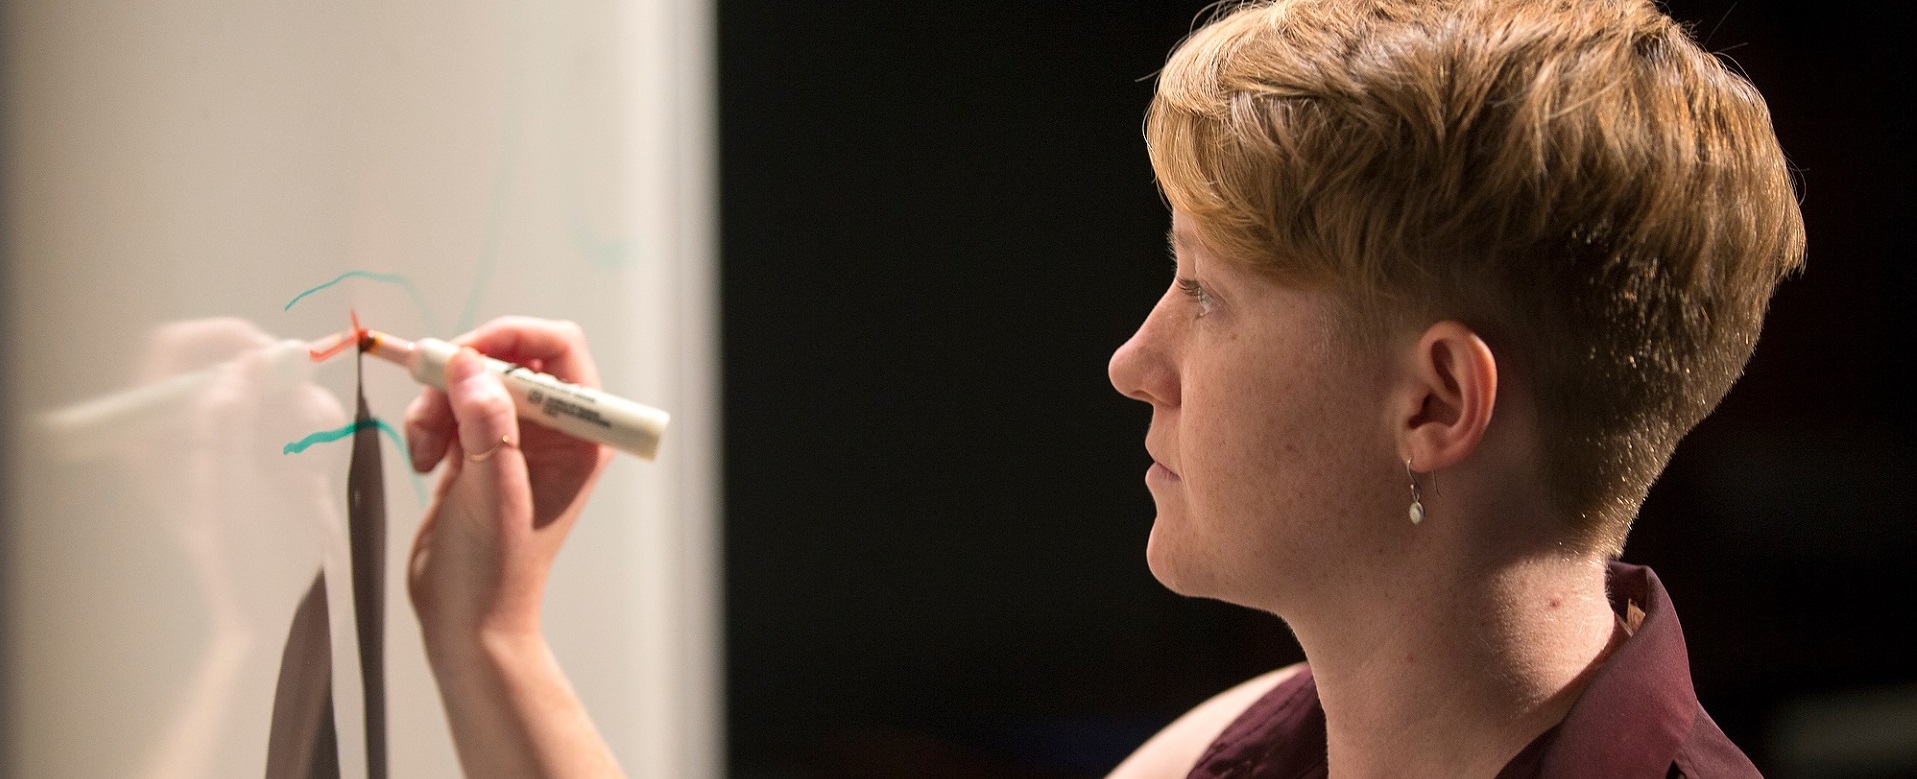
(509, 494)
(478, 568)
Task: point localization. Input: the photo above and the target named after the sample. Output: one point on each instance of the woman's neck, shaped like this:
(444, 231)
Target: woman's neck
(1454, 668)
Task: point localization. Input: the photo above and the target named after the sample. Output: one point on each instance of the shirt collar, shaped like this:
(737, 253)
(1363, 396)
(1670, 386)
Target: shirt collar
(1639, 707)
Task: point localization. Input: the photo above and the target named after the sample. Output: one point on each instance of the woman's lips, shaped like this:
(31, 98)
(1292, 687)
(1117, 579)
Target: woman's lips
(1159, 472)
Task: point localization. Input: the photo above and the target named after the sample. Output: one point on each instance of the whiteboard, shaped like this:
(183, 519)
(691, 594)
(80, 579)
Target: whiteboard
(180, 174)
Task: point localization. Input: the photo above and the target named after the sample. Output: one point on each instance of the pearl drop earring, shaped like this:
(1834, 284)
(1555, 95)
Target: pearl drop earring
(1417, 498)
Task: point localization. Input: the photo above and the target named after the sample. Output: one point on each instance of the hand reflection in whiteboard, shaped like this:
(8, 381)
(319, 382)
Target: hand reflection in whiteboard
(202, 435)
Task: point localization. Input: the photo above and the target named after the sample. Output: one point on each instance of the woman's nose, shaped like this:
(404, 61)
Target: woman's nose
(1141, 369)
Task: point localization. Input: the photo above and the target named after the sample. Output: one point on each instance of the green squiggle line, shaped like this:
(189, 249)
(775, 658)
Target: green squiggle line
(496, 205)
(327, 436)
(419, 300)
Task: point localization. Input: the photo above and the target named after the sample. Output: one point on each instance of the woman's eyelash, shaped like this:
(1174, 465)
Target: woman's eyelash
(1197, 293)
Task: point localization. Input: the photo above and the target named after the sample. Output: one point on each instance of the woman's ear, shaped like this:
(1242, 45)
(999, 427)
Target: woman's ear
(1448, 395)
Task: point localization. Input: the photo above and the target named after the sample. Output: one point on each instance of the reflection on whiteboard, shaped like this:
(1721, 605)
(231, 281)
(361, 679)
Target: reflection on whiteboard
(194, 191)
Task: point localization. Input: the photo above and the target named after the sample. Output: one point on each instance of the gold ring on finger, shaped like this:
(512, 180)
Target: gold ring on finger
(504, 441)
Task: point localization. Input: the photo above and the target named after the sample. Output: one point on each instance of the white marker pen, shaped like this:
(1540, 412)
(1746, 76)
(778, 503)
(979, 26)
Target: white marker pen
(581, 412)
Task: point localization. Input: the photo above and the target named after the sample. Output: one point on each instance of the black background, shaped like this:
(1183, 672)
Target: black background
(939, 221)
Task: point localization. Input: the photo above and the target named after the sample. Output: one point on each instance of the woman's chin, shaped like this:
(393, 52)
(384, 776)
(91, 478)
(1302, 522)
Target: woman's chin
(1170, 565)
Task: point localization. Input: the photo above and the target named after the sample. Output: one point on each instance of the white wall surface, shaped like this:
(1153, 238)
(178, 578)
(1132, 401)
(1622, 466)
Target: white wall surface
(178, 173)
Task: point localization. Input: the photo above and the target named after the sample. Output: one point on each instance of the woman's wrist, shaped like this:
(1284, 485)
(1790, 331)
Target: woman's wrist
(466, 651)
(511, 709)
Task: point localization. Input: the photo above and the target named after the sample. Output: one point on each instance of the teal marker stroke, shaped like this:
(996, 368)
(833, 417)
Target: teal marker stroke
(425, 311)
(329, 436)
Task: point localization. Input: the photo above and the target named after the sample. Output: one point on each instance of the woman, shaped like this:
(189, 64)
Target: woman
(1453, 278)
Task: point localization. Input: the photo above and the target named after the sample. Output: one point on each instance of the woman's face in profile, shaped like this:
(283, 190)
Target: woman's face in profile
(1269, 442)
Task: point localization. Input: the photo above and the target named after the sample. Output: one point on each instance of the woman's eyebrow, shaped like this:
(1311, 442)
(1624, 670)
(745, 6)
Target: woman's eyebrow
(1179, 240)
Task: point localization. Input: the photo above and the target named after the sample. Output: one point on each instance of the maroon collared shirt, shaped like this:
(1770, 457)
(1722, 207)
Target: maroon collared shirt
(1638, 717)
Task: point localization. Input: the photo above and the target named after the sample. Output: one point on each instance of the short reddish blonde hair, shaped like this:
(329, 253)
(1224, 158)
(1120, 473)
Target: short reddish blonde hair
(1602, 199)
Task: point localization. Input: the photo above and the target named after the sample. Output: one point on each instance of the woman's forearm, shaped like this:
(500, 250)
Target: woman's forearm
(508, 496)
(512, 712)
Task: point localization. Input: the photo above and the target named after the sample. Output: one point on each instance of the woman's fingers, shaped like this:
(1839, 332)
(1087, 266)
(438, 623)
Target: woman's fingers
(434, 421)
(559, 348)
(429, 428)
(487, 424)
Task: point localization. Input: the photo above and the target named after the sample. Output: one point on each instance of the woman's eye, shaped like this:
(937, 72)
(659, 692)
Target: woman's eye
(1197, 293)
